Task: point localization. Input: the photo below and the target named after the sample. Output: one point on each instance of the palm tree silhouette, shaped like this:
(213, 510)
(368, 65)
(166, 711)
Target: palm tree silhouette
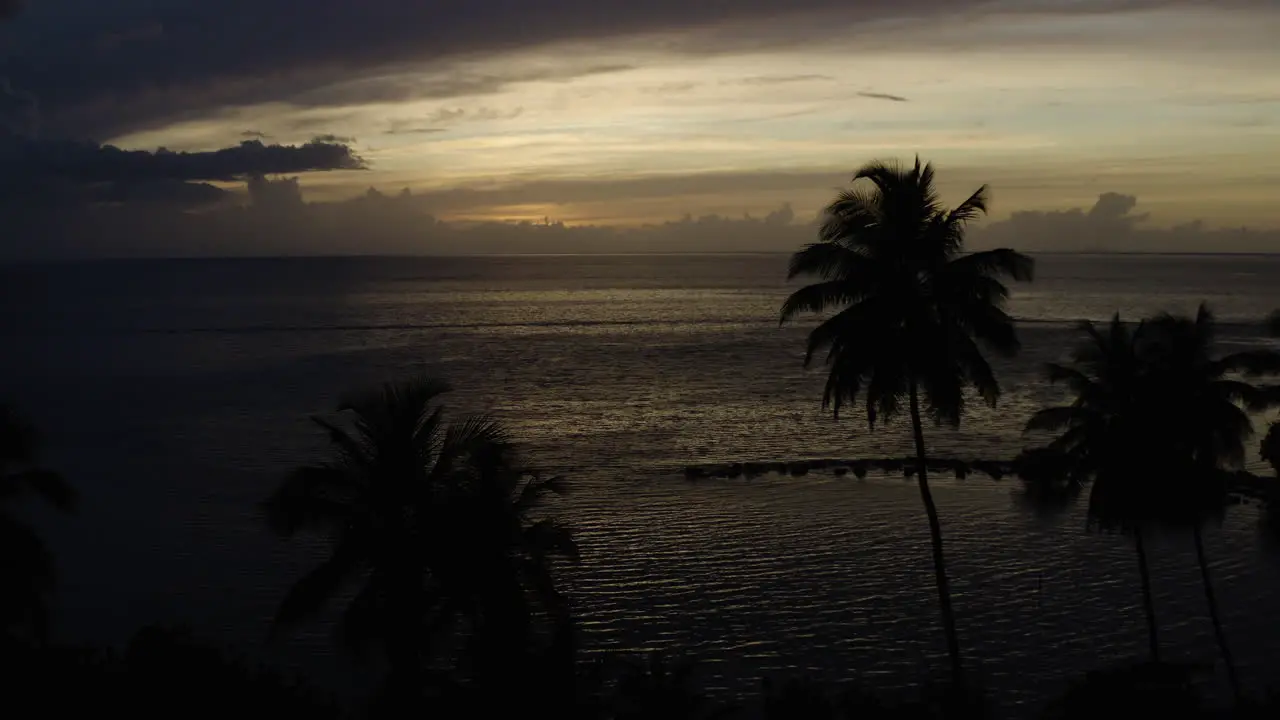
(1270, 448)
(431, 521)
(912, 310)
(1201, 411)
(1100, 435)
(1156, 422)
(29, 569)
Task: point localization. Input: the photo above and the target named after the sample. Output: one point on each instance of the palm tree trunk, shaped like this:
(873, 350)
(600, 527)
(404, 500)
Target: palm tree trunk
(1212, 600)
(1153, 636)
(935, 533)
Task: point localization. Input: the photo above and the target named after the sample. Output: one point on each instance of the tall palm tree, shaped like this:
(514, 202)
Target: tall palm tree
(912, 311)
(1201, 410)
(431, 523)
(1156, 421)
(29, 570)
(1101, 436)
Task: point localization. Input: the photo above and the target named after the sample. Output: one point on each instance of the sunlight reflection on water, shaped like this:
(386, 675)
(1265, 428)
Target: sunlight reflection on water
(176, 394)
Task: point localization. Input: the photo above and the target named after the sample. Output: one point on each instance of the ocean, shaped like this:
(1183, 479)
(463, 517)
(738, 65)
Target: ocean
(175, 394)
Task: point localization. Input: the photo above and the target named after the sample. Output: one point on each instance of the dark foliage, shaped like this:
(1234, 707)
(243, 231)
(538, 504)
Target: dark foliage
(910, 314)
(29, 575)
(163, 673)
(433, 526)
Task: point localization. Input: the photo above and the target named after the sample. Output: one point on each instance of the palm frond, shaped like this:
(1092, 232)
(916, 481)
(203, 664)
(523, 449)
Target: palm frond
(971, 209)
(480, 437)
(317, 587)
(316, 498)
(997, 263)
(1056, 418)
(818, 298)
(1237, 391)
(886, 388)
(353, 450)
(19, 441)
(362, 621)
(549, 538)
(829, 259)
(850, 219)
(1252, 363)
(44, 484)
(887, 175)
(846, 332)
(395, 408)
(24, 556)
(986, 321)
(977, 371)
(1079, 382)
(535, 491)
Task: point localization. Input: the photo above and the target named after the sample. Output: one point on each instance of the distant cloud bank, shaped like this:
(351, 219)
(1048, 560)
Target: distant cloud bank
(143, 221)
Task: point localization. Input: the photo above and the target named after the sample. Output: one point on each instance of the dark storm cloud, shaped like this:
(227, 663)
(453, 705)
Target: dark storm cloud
(71, 172)
(172, 194)
(87, 163)
(105, 68)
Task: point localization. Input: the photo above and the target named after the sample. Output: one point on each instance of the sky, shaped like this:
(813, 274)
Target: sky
(619, 113)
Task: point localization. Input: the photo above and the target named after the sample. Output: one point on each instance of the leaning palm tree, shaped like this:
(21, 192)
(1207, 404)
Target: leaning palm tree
(1101, 437)
(29, 571)
(912, 312)
(430, 522)
(1200, 408)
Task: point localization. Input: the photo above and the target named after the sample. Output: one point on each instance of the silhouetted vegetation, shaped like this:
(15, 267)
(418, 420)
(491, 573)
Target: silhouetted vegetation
(433, 521)
(28, 567)
(443, 553)
(1156, 424)
(162, 673)
(910, 311)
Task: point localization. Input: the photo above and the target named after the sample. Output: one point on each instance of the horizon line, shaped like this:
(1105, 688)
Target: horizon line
(477, 256)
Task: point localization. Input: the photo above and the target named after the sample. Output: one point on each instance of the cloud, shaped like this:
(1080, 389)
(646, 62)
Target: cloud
(58, 170)
(167, 193)
(81, 162)
(278, 223)
(399, 129)
(255, 134)
(148, 220)
(206, 56)
(113, 41)
(1109, 225)
(782, 79)
(670, 88)
(19, 110)
(883, 96)
(432, 123)
(671, 189)
(331, 139)
(446, 115)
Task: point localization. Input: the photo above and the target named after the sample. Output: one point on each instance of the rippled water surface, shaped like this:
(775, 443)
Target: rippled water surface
(175, 394)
